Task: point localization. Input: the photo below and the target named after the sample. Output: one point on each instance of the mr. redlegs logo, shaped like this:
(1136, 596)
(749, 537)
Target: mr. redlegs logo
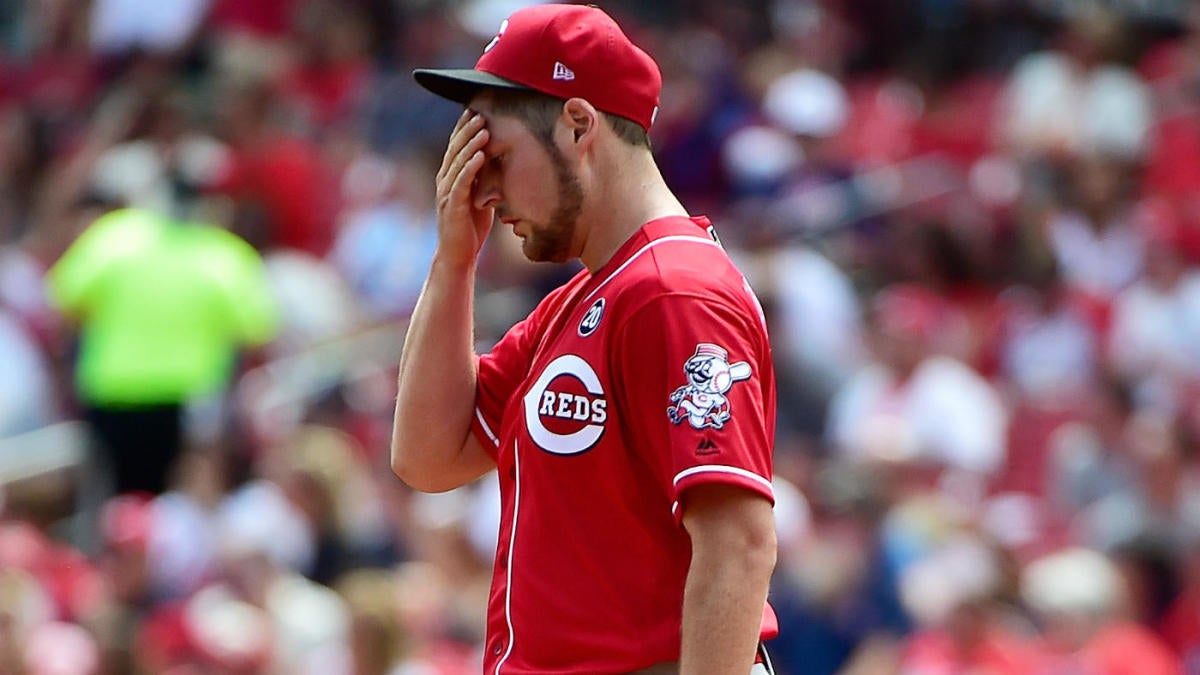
(565, 409)
(710, 375)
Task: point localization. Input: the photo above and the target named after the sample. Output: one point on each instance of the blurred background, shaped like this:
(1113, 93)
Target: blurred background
(974, 225)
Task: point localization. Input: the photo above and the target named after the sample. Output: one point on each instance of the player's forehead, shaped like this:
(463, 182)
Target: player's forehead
(501, 123)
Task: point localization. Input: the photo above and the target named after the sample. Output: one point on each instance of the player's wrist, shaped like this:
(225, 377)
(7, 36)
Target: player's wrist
(449, 260)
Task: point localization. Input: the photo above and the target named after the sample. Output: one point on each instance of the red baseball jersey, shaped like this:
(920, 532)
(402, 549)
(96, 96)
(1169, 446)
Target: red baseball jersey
(620, 391)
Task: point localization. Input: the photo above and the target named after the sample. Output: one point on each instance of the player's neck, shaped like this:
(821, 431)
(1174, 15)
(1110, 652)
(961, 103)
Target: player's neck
(634, 195)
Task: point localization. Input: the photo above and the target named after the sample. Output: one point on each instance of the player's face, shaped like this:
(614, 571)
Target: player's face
(532, 189)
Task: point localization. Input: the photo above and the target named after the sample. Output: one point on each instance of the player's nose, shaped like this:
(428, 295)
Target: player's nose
(487, 190)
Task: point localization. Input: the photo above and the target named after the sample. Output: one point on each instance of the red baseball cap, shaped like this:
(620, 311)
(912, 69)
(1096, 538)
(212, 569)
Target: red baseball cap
(564, 51)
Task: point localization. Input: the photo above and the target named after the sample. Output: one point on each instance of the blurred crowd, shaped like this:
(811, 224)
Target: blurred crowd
(974, 226)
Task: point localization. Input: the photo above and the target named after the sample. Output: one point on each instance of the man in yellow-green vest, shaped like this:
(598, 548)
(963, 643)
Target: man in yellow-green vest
(164, 308)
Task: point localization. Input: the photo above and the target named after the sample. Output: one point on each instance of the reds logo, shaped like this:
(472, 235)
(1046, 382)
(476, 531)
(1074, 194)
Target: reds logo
(565, 409)
(702, 400)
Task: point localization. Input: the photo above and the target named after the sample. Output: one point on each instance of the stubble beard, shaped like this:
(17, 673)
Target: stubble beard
(552, 241)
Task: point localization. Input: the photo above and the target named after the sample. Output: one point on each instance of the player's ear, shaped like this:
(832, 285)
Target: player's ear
(582, 120)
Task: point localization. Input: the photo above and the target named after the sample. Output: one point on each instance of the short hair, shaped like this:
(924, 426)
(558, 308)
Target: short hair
(539, 111)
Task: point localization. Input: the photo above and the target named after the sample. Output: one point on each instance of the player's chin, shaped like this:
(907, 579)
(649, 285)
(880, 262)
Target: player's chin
(540, 250)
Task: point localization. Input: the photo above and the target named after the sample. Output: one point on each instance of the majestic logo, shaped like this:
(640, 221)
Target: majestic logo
(702, 400)
(591, 320)
(499, 33)
(562, 72)
(565, 409)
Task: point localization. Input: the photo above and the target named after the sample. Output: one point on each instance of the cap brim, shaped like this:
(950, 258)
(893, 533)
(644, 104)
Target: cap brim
(461, 84)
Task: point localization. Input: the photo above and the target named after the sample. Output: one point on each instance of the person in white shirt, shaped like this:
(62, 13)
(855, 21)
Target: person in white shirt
(1155, 333)
(911, 404)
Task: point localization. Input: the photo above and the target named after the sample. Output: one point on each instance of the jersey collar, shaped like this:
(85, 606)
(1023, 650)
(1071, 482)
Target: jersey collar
(667, 226)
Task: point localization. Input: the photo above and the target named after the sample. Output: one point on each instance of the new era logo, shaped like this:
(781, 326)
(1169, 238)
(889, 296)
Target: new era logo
(562, 72)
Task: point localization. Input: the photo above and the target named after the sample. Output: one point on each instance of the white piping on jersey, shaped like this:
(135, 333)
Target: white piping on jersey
(512, 542)
(721, 468)
(486, 429)
(648, 246)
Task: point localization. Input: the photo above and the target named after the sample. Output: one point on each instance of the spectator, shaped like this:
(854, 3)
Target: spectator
(23, 155)
(315, 303)
(266, 546)
(910, 404)
(1047, 346)
(167, 163)
(1078, 96)
(377, 644)
(126, 524)
(816, 197)
(184, 536)
(1155, 340)
(276, 176)
(952, 592)
(121, 26)
(1181, 622)
(1171, 173)
(331, 68)
(1093, 239)
(836, 590)
(387, 240)
(26, 394)
(164, 308)
(1161, 498)
(820, 330)
(1152, 577)
(1091, 457)
(1079, 595)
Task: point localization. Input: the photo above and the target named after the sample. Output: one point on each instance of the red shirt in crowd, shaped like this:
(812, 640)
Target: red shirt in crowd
(287, 178)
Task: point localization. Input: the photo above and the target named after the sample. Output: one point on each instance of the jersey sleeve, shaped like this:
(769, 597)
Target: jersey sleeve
(500, 371)
(696, 374)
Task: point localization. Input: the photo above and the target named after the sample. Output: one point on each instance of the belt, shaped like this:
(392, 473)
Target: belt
(672, 668)
(763, 667)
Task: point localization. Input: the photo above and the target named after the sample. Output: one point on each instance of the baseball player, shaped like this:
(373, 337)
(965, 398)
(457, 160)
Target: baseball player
(631, 414)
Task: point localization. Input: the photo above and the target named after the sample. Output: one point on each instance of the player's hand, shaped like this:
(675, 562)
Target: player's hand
(462, 228)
